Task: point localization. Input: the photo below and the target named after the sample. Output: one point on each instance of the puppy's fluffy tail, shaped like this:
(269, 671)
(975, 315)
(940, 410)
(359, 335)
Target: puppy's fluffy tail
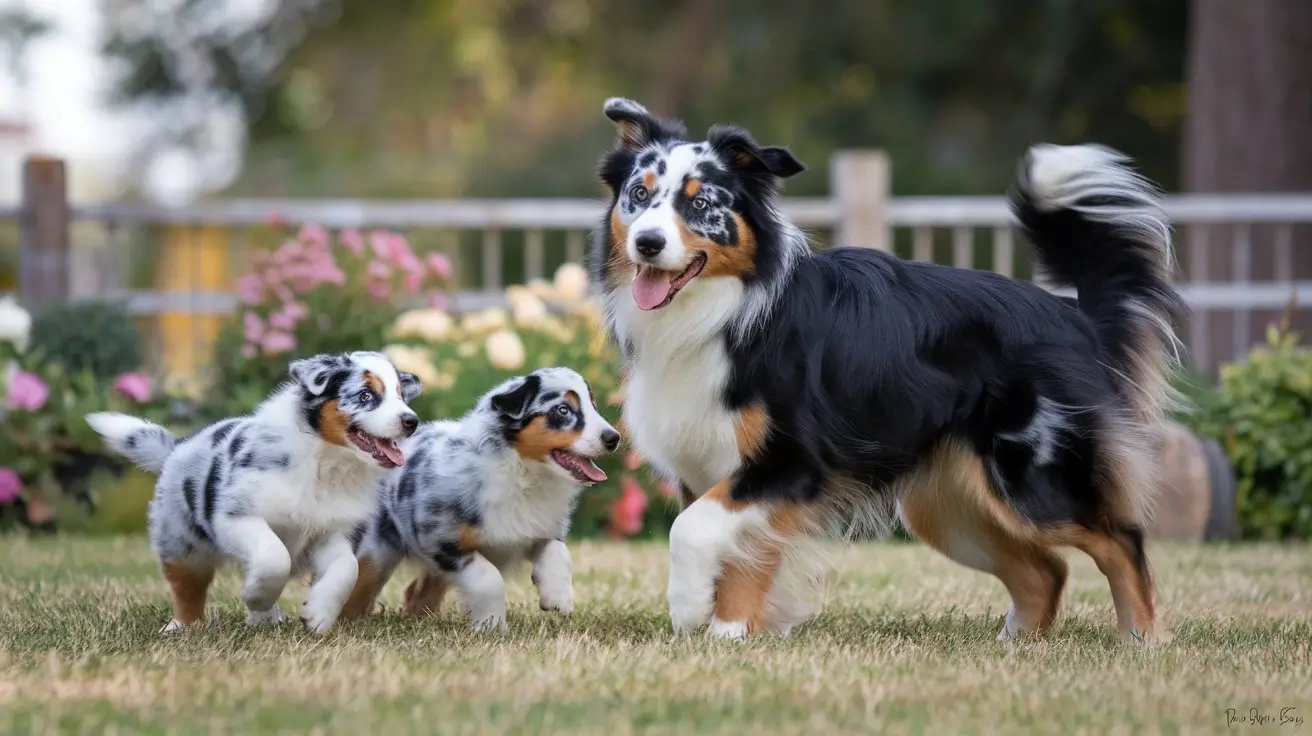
(145, 443)
(1098, 226)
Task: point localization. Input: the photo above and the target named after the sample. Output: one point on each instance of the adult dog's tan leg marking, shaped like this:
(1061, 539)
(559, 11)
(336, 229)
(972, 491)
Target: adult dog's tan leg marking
(949, 504)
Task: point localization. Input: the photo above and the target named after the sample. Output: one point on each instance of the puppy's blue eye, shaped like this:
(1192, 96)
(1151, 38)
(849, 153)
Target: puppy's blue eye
(563, 410)
(366, 396)
(638, 193)
(699, 203)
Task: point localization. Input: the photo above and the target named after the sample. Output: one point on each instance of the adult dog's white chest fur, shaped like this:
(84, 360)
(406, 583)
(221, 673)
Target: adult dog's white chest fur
(673, 400)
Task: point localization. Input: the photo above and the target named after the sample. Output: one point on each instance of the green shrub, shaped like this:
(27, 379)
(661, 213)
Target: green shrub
(1262, 415)
(96, 337)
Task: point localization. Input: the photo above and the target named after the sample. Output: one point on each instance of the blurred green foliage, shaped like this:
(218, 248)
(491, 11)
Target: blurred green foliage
(503, 97)
(1262, 415)
(97, 336)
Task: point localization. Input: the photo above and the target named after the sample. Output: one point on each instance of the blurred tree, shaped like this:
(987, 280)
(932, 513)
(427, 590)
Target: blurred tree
(503, 97)
(18, 28)
(1249, 129)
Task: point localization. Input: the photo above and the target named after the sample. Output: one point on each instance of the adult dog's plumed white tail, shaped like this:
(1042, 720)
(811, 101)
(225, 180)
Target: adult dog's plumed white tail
(1098, 226)
(145, 443)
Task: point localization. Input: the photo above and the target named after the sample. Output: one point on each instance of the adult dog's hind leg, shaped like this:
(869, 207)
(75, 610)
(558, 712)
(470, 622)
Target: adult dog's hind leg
(1120, 555)
(950, 505)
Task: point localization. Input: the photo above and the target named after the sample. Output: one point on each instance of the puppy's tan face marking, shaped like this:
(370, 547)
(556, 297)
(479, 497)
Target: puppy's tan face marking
(536, 440)
(333, 423)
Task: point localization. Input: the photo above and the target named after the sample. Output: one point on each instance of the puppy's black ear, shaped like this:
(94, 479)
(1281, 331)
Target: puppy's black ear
(637, 127)
(515, 401)
(737, 149)
(410, 386)
(313, 374)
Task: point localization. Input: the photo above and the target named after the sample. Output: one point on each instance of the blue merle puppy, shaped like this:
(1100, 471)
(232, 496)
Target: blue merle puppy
(279, 490)
(480, 495)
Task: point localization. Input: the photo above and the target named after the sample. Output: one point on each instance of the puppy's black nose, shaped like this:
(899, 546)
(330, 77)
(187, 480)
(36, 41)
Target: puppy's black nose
(409, 423)
(649, 243)
(610, 439)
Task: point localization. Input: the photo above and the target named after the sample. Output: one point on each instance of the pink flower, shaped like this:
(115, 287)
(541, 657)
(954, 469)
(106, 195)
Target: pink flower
(413, 283)
(278, 342)
(669, 490)
(11, 486)
(280, 321)
(626, 511)
(290, 251)
(314, 235)
(250, 289)
(439, 264)
(353, 241)
(253, 326)
(135, 386)
(379, 290)
(378, 270)
(27, 392)
(632, 461)
(283, 293)
(296, 311)
(381, 243)
(437, 300)
(248, 351)
(276, 220)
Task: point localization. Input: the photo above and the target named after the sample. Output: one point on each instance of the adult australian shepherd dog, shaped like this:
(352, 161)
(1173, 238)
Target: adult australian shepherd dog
(794, 393)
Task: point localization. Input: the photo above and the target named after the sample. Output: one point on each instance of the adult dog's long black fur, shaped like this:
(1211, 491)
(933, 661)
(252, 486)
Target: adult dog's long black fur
(797, 391)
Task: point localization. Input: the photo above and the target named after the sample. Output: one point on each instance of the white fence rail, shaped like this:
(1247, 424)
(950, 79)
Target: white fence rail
(1243, 257)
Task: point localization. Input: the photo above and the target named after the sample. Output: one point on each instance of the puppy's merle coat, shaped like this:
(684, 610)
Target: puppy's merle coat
(279, 490)
(484, 493)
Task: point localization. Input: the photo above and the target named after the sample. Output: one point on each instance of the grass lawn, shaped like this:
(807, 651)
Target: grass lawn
(905, 645)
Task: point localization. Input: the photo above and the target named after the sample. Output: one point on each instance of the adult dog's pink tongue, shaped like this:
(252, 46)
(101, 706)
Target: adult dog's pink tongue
(392, 452)
(590, 469)
(651, 287)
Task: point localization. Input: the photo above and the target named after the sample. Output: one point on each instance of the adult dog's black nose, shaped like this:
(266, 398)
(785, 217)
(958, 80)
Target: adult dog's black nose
(610, 439)
(649, 243)
(409, 423)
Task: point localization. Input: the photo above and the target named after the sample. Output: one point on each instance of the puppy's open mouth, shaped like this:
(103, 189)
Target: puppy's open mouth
(384, 451)
(654, 288)
(582, 468)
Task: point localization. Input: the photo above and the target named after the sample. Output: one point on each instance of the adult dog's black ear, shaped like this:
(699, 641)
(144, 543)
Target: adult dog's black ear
(637, 127)
(737, 148)
(514, 402)
(410, 386)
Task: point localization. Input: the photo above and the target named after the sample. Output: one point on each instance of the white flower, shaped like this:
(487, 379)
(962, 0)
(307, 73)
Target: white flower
(15, 323)
(432, 325)
(530, 312)
(571, 282)
(505, 351)
(413, 360)
(542, 290)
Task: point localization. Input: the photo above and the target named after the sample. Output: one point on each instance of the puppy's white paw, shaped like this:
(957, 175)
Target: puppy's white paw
(731, 630)
(271, 617)
(490, 622)
(561, 601)
(317, 617)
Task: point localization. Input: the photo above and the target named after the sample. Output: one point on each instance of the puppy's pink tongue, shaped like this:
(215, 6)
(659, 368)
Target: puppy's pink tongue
(651, 287)
(392, 452)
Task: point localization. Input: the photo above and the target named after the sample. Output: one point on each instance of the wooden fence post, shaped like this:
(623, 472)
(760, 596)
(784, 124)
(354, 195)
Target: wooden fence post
(44, 248)
(859, 181)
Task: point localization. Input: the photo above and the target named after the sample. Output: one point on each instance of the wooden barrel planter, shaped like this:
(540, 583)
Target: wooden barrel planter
(1196, 490)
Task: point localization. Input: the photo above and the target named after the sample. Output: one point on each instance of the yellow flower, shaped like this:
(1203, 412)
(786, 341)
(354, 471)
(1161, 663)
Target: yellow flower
(505, 351)
(571, 282)
(467, 350)
(413, 360)
(444, 382)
